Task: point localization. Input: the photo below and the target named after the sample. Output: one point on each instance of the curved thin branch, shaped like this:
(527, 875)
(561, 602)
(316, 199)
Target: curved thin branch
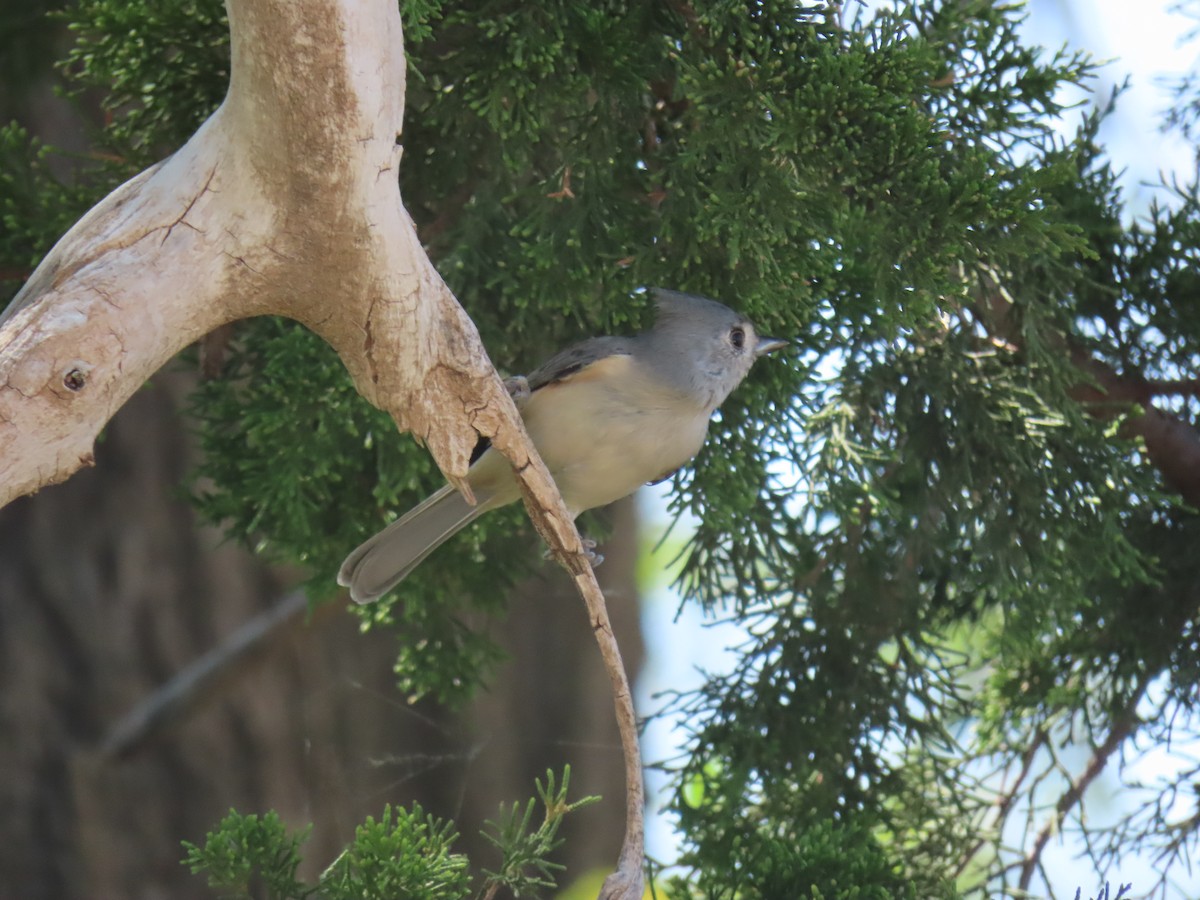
(1006, 799)
(557, 527)
(1123, 726)
(185, 691)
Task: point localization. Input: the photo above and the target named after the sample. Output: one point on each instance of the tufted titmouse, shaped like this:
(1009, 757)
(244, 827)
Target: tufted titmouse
(607, 415)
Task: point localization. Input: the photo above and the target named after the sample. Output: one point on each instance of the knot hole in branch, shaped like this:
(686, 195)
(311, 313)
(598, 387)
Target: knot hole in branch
(75, 379)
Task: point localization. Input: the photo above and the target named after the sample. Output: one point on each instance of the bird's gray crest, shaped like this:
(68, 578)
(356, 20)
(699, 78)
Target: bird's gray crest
(676, 305)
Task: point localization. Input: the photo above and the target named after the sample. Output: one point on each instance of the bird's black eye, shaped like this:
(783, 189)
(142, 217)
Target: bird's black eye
(737, 337)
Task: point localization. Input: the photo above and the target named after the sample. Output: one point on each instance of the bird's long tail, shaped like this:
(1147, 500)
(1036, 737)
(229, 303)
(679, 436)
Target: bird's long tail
(384, 560)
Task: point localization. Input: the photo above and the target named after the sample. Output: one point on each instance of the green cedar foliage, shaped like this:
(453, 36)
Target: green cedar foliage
(946, 566)
(36, 206)
(406, 854)
(821, 863)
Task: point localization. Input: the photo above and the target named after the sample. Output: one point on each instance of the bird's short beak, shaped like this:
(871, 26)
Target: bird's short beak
(766, 345)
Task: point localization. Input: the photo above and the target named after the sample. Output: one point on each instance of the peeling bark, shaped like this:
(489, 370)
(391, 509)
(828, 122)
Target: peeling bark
(284, 202)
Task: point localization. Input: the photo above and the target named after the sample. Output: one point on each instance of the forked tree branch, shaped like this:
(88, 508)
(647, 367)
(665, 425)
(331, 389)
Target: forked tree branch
(284, 202)
(1005, 801)
(1124, 724)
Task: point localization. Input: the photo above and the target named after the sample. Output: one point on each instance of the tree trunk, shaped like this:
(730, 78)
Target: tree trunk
(108, 588)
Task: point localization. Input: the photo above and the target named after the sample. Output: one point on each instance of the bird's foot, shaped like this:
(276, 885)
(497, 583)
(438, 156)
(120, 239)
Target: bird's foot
(518, 388)
(589, 550)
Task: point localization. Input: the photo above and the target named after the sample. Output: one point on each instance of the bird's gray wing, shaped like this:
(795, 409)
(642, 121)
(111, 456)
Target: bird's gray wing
(577, 357)
(563, 365)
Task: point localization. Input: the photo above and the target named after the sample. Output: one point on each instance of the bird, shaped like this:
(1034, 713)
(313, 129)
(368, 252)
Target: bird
(607, 415)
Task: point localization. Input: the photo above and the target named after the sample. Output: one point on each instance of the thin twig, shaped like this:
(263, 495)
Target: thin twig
(1189, 387)
(1123, 726)
(632, 848)
(1007, 798)
(188, 689)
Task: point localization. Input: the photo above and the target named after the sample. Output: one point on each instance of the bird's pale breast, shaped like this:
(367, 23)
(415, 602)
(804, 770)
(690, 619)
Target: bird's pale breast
(604, 432)
(607, 431)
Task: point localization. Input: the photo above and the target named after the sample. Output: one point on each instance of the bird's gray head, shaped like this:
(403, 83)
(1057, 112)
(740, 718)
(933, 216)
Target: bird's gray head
(703, 347)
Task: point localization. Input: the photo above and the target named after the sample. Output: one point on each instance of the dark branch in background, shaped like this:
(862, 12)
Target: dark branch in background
(1180, 387)
(1172, 445)
(203, 680)
(214, 350)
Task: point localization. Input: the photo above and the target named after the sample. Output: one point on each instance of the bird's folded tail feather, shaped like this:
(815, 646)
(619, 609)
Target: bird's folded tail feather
(383, 561)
